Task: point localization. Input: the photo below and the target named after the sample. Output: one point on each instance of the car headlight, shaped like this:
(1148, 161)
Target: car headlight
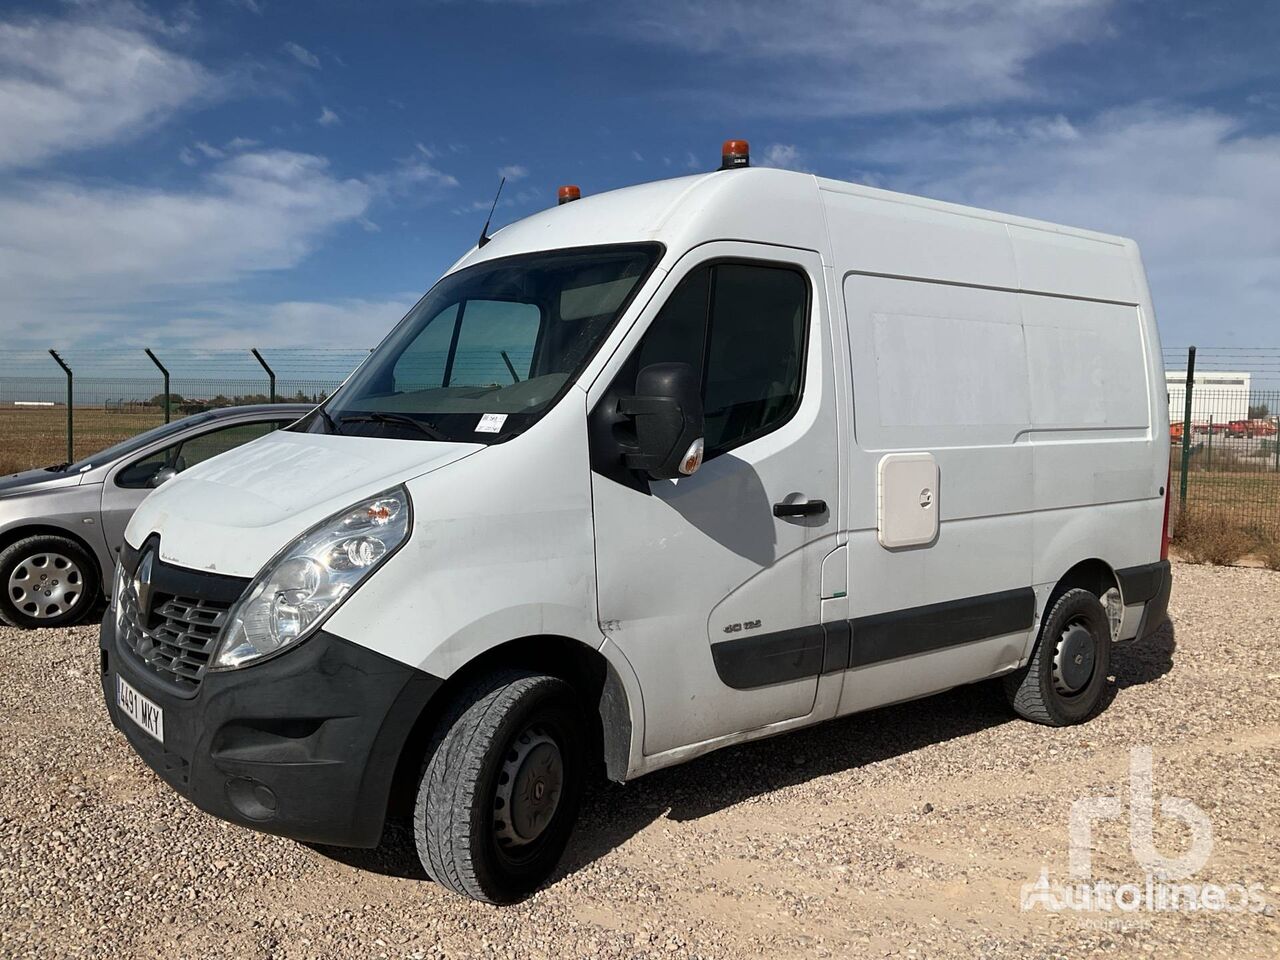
(308, 579)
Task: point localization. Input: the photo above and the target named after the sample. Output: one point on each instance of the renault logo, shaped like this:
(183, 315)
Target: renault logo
(142, 584)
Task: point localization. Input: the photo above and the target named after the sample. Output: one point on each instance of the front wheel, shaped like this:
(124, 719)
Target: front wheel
(48, 581)
(1065, 681)
(500, 790)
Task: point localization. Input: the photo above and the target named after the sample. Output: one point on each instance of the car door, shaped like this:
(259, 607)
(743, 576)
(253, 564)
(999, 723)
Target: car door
(711, 584)
(132, 479)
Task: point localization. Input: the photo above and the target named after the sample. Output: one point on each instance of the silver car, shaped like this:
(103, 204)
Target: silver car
(60, 527)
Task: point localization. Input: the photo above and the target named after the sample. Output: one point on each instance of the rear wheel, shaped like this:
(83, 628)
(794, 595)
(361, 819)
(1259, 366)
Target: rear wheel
(1065, 681)
(499, 793)
(48, 581)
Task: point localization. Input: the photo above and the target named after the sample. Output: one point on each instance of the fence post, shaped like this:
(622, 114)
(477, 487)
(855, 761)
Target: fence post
(270, 373)
(1186, 431)
(71, 455)
(166, 381)
(1208, 453)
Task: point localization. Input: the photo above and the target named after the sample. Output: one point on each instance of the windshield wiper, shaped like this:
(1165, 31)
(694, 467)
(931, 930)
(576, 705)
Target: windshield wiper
(427, 429)
(58, 467)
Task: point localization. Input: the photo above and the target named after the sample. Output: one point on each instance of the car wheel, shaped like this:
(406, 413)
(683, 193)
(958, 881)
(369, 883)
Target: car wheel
(500, 790)
(48, 581)
(1065, 681)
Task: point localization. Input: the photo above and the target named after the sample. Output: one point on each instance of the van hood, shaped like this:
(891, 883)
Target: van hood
(234, 512)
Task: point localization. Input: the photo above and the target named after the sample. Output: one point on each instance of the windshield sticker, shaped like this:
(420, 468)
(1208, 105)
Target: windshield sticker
(491, 423)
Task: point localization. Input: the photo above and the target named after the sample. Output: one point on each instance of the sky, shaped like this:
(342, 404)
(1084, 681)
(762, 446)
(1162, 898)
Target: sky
(239, 173)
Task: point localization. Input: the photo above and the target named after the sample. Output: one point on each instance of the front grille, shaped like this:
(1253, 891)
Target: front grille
(177, 638)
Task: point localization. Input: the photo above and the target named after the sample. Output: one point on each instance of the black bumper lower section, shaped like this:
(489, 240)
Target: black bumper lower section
(1157, 582)
(304, 745)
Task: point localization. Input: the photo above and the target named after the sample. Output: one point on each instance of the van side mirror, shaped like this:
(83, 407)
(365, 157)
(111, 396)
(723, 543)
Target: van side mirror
(667, 411)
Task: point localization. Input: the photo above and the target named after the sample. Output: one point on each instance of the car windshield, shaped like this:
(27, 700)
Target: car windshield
(126, 447)
(491, 348)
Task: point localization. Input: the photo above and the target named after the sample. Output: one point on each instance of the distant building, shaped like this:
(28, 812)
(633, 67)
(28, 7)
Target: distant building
(1216, 395)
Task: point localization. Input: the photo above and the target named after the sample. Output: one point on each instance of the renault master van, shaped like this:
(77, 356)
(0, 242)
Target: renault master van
(645, 475)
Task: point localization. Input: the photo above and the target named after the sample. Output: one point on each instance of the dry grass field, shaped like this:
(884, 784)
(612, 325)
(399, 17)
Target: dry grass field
(37, 437)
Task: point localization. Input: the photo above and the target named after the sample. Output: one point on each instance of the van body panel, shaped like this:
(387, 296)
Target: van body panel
(1053, 260)
(501, 549)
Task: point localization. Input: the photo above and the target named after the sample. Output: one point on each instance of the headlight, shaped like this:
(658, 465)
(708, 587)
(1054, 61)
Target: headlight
(308, 579)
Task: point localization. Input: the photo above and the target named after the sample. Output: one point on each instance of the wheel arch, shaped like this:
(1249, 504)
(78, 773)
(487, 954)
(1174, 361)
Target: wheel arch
(1094, 574)
(597, 680)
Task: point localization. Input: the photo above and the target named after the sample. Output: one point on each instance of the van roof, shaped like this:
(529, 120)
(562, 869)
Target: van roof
(760, 204)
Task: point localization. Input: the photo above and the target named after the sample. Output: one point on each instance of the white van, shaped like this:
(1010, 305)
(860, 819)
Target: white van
(652, 473)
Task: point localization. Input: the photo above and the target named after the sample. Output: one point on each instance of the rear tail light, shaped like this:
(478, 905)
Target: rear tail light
(1164, 532)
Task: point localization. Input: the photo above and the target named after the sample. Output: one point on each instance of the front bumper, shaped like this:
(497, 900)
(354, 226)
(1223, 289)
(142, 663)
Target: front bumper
(304, 745)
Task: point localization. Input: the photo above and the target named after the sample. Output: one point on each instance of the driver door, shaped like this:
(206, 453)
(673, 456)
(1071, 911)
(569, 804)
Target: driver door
(711, 584)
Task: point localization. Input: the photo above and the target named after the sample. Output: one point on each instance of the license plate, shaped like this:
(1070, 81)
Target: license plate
(139, 709)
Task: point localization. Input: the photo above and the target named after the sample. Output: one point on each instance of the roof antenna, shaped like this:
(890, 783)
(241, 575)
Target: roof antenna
(484, 231)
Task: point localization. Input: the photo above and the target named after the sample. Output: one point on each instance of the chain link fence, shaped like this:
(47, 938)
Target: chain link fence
(1224, 431)
(64, 406)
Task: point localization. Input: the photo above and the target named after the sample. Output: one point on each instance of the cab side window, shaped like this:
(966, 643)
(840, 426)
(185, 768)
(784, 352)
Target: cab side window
(179, 456)
(741, 326)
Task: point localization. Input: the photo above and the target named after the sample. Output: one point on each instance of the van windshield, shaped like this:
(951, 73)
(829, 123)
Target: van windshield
(489, 349)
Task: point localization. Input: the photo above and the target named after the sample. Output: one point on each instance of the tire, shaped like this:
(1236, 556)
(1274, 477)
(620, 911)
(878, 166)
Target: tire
(48, 581)
(1067, 677)
(483, 826)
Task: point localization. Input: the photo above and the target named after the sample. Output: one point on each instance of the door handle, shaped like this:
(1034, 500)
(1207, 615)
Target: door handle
(802, 508)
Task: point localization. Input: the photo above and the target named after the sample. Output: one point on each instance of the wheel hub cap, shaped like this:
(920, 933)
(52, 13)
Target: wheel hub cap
(1073, 661)
(46, 585)
(529, 787)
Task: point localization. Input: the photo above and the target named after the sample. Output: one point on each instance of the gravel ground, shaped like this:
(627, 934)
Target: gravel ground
(909, 831)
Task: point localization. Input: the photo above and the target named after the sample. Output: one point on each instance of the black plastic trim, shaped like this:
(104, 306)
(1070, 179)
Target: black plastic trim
(1156, 613)
(904, 633)
(779, 657)
(1139, 584)
(745, 663)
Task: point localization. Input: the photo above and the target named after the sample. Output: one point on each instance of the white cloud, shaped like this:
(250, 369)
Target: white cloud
(414, 177)
(785, 156)
(66, 242)
(71, 84)
(357, 323)
(835, 57)
(513, 172)
(1195, 190)
(301, 54)
(327, 118)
